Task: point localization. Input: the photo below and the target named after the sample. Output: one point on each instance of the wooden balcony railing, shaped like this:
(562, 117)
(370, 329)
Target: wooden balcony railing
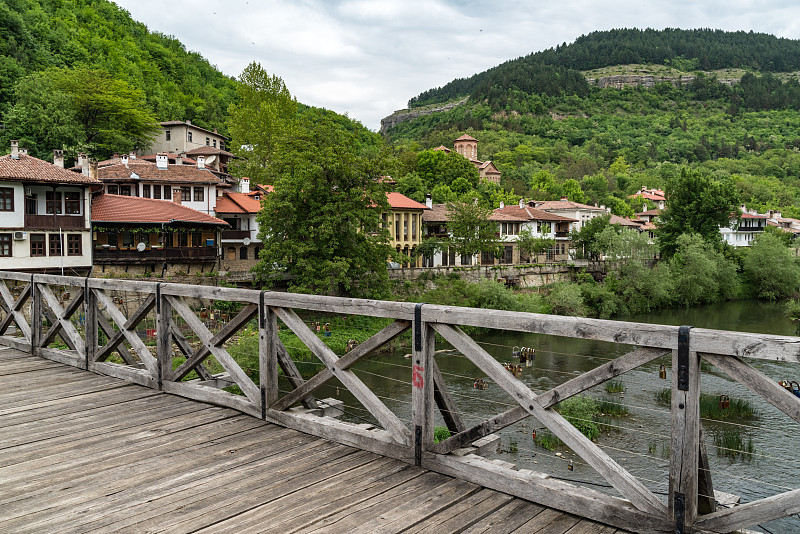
(235, 234)
(54, 222)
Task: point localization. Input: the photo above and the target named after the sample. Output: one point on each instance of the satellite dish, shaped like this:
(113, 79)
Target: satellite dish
(210, 159)
(246, 241)
(140, 247)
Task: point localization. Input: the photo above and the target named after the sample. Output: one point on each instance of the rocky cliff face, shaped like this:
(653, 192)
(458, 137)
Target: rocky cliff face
(633, 80)
(407, 115)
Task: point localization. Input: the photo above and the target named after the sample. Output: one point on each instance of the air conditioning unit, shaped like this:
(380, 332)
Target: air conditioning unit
(20, 236)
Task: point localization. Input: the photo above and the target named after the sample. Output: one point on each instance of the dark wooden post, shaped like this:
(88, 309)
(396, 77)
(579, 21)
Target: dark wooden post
(422, 385)
(685, 445)
(37, 316)
(267, 355)
(164, 338)
(90, 322)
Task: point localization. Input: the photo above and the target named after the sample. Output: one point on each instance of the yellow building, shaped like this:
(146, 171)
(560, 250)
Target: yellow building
(404, 223)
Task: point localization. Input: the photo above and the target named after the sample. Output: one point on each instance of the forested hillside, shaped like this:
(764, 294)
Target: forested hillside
(42, 35)
(554, 71)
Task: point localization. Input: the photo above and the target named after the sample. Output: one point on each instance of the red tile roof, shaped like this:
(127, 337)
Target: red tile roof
(402, 202)
(30, 169)
(466, 137)
(149, 172)
(751, 216)
(120, 209)
(651, 213)
(564, 205)
(237, 203)
(526, 213)
(209, 151)
(616, 219)
(436, 213)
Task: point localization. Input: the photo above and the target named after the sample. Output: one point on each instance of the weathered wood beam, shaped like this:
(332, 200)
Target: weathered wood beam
(68, 330)
(752, 513)
(291, 372)
(615, 474)
(445, 403)
(19, 317)
(73, 305)
(368, 399)
(474, 433)
(422, 386)
(130, 335)
(187, 350)
(117, 337)
(55, 330)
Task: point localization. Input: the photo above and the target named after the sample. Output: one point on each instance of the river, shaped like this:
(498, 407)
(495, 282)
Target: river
(639, 441)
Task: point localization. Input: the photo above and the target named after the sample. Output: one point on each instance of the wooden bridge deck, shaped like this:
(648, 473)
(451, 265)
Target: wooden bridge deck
(85, 453)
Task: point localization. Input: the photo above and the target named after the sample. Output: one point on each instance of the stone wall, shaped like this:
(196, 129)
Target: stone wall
(533, 275)
(406, 115)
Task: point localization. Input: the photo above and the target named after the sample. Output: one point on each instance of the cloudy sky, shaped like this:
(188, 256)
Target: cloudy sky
(366, 58)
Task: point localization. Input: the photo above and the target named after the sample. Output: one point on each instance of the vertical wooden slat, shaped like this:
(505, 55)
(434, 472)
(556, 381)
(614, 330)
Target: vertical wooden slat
(685, 445)
(36, 318)
(90, 324)
(267, 355)
(422, 385)
(164, 338)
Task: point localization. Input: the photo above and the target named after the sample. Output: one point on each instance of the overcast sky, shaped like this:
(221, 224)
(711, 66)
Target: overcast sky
(366, 58)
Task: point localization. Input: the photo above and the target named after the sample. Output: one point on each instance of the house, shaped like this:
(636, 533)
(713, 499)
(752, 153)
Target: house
(240, 243)
(580, 213)
(541, 224)
(434, 222)
(44, 215)
(183, 137)
(194, 186)
(404, 222)
(136, 236)
(467, 146)
(743, 229)
(789, 225)
(652, 196)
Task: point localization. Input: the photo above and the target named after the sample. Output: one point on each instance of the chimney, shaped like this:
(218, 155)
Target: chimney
(778, 215)
(502, 204)
(162, 161)
(132, 155)
(23, 151)
(58, 158)
(83, 161)
(14, 149)
(180, 158)
(644, 188)
(79, 161)
(521, 203)
(644, 206)
(244, 185)
(93, 168)
(743, 208)
(176, 196)
(564, 199)
(429, 200)
(201, 162)
(124, 160)
(188, 122)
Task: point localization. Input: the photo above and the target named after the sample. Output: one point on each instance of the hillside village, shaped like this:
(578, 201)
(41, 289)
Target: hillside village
(176, 210)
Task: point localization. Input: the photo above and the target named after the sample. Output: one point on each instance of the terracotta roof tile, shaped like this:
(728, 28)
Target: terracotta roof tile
(149, 172)
(652, 213)
(121, 209)
(398, 201)
(564, 205)
(436, 213)
(237, 203)
(616, 219)
(209, 151)
(466, 137)
(526, 213)
(30, 169)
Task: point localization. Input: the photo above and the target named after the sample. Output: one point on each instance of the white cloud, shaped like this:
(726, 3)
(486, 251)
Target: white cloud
(368, 57)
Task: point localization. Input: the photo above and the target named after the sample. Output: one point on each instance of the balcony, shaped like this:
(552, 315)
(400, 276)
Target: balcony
(110, 255)
(235, 234)
(562, 234)
(54, 222)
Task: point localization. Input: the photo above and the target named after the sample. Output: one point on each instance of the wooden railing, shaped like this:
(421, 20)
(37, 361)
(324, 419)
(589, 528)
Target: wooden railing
(54, 222)
(639, 509)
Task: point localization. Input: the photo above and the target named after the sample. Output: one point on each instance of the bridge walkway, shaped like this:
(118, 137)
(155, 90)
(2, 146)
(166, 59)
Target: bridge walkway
(80, 452)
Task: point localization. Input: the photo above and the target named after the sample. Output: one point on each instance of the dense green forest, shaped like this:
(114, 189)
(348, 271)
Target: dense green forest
(51, 37)
(555, 70)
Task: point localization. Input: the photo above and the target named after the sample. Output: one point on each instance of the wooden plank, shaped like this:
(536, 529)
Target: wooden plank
(114, 341)
(268, 343)
(615, 474)
(57, 280)
(463, 514)
(447, 406)
(116, 284)
(757, 382)
(213, 396)
(19, 317)
(597, 376)
(549, 522)
(291, 372)
(67, 328)
(219, 338)
(685, 439)
(746, 345)
(19, 277)
(242, 380)
(506, 519)
(133, 338)
(91, 332)
(187, 350)
(69, 357)
(706, 497)
(71, 308)
(129, 374)
(164, 371)
(349, 306)
(422, 387)
(345, 362)
(17, 306)
(16, 343)
(752, 513)
(368, 399)
(482, 429)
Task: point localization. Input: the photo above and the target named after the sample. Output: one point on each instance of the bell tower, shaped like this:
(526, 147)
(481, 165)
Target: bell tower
(467, 146)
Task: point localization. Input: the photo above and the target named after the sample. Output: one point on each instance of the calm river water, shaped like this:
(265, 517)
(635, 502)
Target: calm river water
(638, 441)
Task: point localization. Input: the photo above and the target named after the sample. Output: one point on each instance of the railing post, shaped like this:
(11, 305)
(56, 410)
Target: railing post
(164, 339)
(37, 316)
(90, 322)
(267, 354)
(685, 443)
(422, 385)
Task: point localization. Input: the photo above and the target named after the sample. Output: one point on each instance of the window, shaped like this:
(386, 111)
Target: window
(156, 191)
(74, 244)
(125, 190)
(197, 239)
(222, 145)
(31, 205)
(231, 253)
(405, 229)
(487, 258)
(113, 190)
(37, 245)
(127, 239)
(215, 143)
(72, 203)
(145, 191)
(208, 141)
(53, 203)
(167, 192)
(508, 255)
(168, 135)
(186, 193)
(413, 227)
(256, 252)
(198, 194)
(5, 245)
(243, 253)
(183, 239)
(189, 136)
(396, 228)
(55, 245)
(6, 199)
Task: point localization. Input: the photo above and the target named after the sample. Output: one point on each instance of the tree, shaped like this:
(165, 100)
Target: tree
(770, 269)
(80, 109)
(259, 121)
(531, 245)
(700, 273)
(321, 227)
(583, 240)
(471, 231)
(696, 204)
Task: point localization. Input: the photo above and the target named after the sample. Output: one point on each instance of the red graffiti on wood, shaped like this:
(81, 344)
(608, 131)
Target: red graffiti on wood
(416, 376)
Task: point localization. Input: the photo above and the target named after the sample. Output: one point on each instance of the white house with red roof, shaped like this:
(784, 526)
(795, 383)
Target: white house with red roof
(240, 243)
(467, 146)
(655, 197)
(741, 231)
(44, 215)
(135, 235)
(580, 213)
(541, 224)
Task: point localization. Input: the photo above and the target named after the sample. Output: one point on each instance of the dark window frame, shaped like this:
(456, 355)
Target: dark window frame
(55, 247)
(6, 199)
(6, 246)
(74, 245)
(198, 194)
(38, 243)
(72, 206)
(53, 203)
